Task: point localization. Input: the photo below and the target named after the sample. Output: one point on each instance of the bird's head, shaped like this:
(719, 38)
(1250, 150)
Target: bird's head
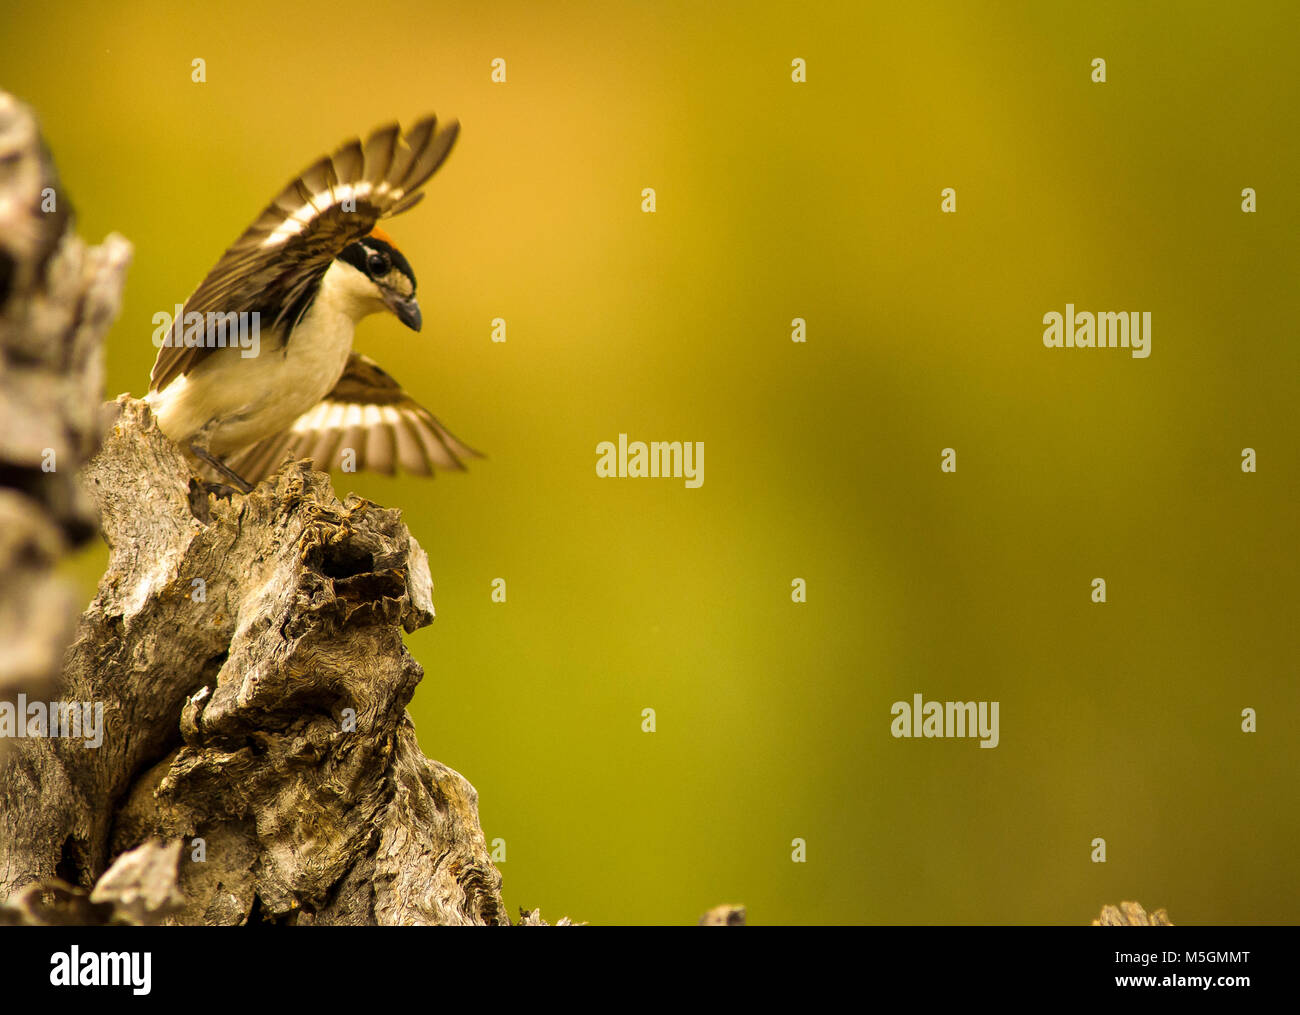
(378, 277)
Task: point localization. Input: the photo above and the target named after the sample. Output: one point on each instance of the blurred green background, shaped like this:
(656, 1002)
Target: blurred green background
(818, 200)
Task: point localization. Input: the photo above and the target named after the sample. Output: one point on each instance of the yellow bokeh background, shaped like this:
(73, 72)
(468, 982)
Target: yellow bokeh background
(822, 201)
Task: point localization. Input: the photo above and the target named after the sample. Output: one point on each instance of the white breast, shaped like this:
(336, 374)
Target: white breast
(257, 396)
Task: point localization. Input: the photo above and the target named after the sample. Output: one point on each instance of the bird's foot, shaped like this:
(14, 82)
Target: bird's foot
(219, 489)
(243, 485)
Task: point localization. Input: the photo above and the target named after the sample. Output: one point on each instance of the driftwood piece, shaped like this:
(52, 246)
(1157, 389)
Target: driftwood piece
(254, 683)
(141, 885)
(1131, 914)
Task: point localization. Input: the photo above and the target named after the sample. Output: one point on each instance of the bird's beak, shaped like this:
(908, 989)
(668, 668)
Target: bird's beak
(406, 311)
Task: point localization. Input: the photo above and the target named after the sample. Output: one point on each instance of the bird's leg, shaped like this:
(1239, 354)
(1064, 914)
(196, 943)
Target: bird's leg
(199, 448)
(244, 485)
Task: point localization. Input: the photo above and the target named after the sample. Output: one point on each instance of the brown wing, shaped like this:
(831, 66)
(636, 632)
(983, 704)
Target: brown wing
(276, 265)
(369, 414)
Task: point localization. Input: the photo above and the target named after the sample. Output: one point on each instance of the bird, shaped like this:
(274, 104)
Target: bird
(311, 266)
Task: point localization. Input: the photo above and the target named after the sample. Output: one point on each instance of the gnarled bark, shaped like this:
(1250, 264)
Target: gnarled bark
(253, 679)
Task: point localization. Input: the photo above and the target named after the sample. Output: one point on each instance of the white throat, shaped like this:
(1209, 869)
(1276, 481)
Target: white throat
(344, 290)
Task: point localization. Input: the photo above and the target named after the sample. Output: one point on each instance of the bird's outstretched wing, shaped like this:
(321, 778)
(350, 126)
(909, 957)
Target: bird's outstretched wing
(275, 267)
(369, 413)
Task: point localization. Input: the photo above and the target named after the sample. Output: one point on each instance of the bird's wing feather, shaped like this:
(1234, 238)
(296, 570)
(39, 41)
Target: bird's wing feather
(275, 266)
(369, 413)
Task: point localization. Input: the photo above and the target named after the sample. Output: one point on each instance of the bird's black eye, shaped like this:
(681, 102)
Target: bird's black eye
(378, 264)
